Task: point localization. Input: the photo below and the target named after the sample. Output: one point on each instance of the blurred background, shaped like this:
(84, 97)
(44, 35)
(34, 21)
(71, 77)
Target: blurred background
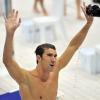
(80, 80)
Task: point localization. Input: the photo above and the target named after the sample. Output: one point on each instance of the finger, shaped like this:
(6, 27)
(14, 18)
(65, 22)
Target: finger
(11, 14)
(84, 11)
(84, 6)
(4, 16)
(16, 14)
(19, 22)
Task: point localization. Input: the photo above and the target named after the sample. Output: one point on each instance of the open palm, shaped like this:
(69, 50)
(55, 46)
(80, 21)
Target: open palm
(12, 21)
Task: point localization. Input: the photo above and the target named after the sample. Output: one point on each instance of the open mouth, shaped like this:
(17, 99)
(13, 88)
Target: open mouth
(50, 66)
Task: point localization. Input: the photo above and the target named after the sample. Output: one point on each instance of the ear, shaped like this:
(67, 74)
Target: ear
(38, 58)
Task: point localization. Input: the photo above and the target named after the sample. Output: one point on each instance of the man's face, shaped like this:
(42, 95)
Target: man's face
(48, 59)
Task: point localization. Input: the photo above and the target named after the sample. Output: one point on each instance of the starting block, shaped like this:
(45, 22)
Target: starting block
(87, 57)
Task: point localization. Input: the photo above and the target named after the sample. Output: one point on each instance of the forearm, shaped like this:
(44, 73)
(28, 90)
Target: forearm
(8, 48)
(79, 37)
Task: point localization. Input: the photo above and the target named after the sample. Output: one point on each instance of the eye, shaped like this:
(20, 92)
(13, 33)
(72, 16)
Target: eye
(55, 55)
(49, 55)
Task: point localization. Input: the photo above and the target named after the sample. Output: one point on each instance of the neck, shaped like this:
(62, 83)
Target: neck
(42, 74)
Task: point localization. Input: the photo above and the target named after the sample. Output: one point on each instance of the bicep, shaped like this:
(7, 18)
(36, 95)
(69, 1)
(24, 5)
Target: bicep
(15, 71)
(64, 59)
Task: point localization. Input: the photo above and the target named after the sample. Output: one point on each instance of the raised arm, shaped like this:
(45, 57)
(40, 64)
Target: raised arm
(75, 42)
(12, 22)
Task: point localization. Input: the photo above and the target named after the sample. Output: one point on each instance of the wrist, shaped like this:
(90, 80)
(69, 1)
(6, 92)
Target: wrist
(88, 23)
(9, 32)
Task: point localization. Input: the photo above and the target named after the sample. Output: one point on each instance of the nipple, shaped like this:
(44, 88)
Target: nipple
(40, 97)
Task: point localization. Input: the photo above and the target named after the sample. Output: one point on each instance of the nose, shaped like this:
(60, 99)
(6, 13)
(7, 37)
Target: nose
(53, 59)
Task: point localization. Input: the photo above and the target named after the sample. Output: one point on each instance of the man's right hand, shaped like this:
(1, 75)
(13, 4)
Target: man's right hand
(12, 22)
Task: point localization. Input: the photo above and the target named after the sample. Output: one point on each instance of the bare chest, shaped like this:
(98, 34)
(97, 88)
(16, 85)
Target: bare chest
(44, 88)
(39, 90)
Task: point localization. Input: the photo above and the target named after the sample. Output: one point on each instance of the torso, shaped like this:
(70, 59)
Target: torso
(35, 89)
